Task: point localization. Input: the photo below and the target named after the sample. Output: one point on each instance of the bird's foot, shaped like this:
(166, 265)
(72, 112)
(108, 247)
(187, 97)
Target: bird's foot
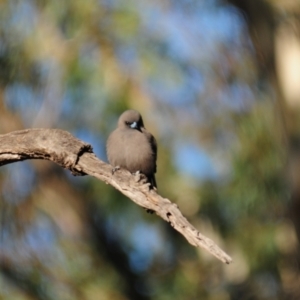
(139, 177)
(115, 169)
(142, 180)
(154, 188)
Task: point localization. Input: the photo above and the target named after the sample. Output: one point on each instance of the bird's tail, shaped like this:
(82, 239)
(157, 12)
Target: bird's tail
(153, 182)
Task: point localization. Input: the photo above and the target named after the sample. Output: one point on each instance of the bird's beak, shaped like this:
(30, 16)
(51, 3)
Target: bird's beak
(134, 125)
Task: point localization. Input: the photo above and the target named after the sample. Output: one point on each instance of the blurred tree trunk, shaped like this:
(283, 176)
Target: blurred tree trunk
(274, 28)
(263, 21)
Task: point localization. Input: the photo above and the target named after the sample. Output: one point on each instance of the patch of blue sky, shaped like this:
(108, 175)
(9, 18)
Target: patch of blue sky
(194, 34)
(193, 41)
(19, 182)
(169, 92)
(238, 96)
(178, 93)
(223, 24)
(23, 18)
(194, 161)
(21, 97)
(41, 235)
(142, 241)
(93, 138)
(128, 56)
(147, 243)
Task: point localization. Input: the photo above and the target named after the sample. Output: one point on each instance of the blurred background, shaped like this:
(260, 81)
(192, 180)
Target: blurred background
(218, 85)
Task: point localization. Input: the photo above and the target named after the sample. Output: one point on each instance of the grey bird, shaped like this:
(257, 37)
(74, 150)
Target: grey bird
(132, 147)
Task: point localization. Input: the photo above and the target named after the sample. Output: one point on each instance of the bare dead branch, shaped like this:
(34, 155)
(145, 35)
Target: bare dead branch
(73, 154)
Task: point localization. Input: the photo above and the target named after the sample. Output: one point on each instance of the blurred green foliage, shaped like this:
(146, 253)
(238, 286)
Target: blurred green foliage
(191, 69)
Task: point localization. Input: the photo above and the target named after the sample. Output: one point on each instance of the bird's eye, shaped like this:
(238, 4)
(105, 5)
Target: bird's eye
(133, 125)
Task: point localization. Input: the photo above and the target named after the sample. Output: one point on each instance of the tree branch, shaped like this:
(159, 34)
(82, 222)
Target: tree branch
(73, 154)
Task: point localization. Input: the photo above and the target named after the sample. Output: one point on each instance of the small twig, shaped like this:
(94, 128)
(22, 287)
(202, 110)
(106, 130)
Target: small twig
(71, 153)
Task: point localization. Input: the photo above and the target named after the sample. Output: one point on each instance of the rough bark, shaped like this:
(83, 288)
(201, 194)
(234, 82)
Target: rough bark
(73, 154)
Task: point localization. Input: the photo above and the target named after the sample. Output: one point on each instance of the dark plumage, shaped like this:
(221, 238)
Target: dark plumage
(132, 147)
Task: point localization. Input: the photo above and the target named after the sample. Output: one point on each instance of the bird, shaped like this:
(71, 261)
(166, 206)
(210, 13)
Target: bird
(132, 147)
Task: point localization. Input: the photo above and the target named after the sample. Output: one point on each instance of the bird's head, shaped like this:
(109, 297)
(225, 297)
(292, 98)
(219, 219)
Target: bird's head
(131, 119)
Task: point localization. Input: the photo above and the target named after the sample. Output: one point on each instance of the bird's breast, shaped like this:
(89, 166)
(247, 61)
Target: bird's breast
(131, 149)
